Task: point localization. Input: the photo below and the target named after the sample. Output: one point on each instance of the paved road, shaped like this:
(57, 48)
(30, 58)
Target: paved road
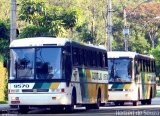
(109, 110)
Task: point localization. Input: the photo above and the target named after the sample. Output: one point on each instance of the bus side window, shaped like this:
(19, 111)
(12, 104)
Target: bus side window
(138, 67)
(149, 69)
(106, 60)
(94, 59)
(100, 59)
(103, 60)
(85, 58)
(75, 56)
(88, 58)
(154, 66)
(140, 64)
(91, 58)
(80, 57)
(67, 64)
(144, 66)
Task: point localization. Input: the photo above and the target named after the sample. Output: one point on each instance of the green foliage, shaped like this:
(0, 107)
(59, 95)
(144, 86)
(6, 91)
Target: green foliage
(33, 31)
(63, 18)
(70, 18)
(4, 38)
(156, 53)
(31, 11)
(51, 20)
(139, 45)
(4, 9)
(4, 30)
(85, 35)
(158, 94)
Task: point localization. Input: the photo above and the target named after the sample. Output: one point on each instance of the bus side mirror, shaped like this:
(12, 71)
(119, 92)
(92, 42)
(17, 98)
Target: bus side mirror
(5, 63)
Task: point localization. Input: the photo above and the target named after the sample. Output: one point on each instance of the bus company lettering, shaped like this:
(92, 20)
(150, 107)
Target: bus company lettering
(96, 76)
(105, 76)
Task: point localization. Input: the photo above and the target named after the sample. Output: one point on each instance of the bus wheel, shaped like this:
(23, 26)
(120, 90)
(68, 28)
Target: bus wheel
(116, 103)
(88, 107)
(143, 102)
(135, 103)
(70, 108)
(98, 100)
(23, 109)
(150, 99)
(121, 103)
(103, 104)
(149, 102)
(54, 109)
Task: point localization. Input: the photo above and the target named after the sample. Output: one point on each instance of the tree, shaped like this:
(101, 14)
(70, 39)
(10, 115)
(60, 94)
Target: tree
(148, 17)
(4, 38)
(32, 11)
(156, 53)
(55, 19)
(4, 9)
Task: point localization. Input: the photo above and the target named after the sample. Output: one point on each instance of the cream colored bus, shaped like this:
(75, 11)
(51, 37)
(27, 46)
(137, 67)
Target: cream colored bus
(58, 73)
(131, 78)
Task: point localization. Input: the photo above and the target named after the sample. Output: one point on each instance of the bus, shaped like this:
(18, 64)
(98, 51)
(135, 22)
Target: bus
(58, 73)
(132, 78)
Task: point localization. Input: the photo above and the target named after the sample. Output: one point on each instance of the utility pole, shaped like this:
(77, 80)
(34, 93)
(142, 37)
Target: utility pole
(125, 30)
(13, 21)
(109, 26)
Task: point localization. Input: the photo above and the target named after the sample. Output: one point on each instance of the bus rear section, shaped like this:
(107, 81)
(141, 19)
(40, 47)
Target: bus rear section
(131, 78)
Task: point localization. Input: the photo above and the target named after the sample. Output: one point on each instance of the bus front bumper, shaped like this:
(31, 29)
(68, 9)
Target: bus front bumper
(122, 96)
(39, 99)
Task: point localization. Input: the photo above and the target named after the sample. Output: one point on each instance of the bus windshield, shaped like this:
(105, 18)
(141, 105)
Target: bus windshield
(35, 63)
(120, 70)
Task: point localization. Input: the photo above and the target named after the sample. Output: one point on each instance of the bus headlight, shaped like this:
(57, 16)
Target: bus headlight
(14, 98)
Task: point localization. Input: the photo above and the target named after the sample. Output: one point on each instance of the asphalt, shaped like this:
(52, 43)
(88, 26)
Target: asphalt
(4, 108)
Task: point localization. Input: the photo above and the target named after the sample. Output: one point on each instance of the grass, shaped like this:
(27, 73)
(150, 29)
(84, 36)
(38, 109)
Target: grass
(158, 94)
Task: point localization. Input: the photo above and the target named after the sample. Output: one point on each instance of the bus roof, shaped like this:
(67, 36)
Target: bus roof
(129, 54)
(47, 41)
(38, 41)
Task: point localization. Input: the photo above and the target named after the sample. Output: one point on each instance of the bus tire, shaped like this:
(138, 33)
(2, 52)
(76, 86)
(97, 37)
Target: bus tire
(121, 103)
(149, 101)
(103, 104)
(98, 104)
(70, 108)
(135, 103)
(55, 109)
(23, 109)
(116, 103)
(143, 102)
(89, 106)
